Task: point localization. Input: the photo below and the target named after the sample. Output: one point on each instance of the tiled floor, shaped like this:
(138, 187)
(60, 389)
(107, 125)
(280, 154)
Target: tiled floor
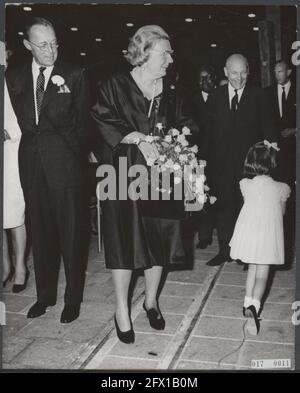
(204, 326)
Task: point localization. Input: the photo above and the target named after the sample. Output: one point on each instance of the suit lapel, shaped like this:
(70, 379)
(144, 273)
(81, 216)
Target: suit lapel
(26, 97)
(225, 113)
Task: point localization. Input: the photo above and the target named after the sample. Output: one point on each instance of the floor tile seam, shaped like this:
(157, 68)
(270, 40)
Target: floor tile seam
(181, 338)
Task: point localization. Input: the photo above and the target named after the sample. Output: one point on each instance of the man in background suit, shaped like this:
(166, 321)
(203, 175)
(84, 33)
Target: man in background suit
(51, 102)
(240, 115)
(206, 80)
(283, 98)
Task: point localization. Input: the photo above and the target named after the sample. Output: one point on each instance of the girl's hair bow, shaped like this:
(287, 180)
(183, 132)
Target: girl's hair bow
(271, 144)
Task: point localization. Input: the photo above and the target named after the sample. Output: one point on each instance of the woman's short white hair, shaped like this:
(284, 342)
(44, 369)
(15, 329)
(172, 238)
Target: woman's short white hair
(143, 40)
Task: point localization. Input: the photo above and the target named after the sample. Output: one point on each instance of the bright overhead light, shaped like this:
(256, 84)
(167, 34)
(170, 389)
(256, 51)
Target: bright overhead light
(213, 45)
(74, 29)
(27, 9)
(82, 54)
(255, 28)
(188, 20)
(129, 24)
(98, 39)
(251, 15)
(20, 33)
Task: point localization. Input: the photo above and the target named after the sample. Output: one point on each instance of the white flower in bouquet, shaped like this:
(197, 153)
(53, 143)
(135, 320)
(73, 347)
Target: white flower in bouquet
(183, 158)
(149, 138)
(176, 167)
(212, 200)
(186, 131)
(184, 143)
(202, 163)
(201, 198)
(177, 179)
(168, 138)
(162, 157)
(159, 126)
(181, 138)
(194, 149)
(193, 163)
(169, 163)
(206, 188)
(177, 149)
(175, 132)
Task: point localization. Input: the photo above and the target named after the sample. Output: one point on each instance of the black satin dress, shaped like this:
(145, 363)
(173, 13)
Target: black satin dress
(138, 236)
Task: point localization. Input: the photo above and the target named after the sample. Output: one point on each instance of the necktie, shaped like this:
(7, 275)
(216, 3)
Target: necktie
(40, 88)
(235, 101)
(283, 102)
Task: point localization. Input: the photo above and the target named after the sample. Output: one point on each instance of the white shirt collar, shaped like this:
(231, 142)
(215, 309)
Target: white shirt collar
(204, 95)
(287, 87)
(36, 71)
(231, 91)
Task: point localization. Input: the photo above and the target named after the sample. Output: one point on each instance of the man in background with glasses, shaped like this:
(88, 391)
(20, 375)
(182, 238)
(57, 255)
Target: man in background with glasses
(51, 101)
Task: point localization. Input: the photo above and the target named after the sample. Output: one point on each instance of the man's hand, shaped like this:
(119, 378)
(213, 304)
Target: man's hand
(6, 135)
(288, 132)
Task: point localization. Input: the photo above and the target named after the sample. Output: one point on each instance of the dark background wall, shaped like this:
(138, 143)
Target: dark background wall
(229, 27)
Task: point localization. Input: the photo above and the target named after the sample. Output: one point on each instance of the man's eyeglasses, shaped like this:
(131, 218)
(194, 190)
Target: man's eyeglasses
(45, 46)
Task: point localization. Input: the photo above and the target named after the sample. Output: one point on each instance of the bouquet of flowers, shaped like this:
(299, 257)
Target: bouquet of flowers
(178, 158)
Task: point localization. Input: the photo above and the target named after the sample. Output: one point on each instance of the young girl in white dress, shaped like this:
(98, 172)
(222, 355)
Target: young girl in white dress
(258, 235)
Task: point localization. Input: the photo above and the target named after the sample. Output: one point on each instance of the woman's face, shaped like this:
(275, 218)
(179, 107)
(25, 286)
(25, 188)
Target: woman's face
(159, 59)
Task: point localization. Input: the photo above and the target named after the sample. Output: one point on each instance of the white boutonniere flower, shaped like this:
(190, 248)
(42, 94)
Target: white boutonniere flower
(60, 82)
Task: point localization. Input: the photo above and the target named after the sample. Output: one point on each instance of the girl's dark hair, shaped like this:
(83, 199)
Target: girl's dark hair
(260, 160)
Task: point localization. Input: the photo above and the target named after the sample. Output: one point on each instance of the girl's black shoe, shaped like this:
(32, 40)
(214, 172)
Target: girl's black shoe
(20, 287)
(156, 319)
(250, 312)
(126, 337)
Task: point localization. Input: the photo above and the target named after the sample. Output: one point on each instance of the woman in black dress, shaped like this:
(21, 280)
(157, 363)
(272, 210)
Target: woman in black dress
(128, 108)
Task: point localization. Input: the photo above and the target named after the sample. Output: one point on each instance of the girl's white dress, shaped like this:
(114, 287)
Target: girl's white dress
(258, 233)
(13, 199)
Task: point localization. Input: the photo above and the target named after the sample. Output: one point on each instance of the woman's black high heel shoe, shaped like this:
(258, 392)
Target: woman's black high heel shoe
(20, 287)
(156, 319)
(126, 337)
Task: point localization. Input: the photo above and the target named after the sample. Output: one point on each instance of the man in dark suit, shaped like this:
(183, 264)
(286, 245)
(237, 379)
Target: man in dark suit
(240, 116)
(283, 98)
(206, 80)
(51, 102)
